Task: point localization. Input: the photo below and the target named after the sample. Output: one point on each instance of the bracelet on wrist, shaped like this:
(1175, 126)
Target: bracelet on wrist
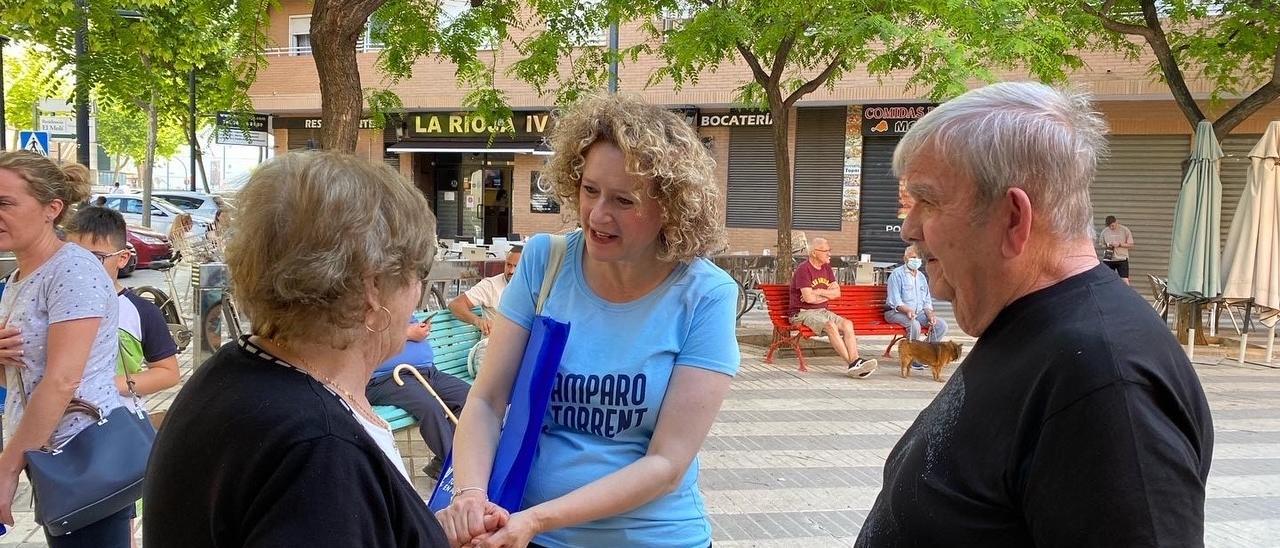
(480, 490)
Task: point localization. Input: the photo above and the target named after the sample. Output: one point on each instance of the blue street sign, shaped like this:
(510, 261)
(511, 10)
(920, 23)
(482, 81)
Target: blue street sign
(34, 141)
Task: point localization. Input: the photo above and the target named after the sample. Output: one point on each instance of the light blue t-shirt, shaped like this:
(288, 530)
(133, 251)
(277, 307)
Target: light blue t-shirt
(612, 380)
(908, 290)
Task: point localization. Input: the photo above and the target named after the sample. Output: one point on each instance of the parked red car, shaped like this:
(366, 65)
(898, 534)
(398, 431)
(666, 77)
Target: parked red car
(152, 248)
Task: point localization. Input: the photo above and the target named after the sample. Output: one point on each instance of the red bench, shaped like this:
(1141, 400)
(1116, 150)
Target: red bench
(861, 304)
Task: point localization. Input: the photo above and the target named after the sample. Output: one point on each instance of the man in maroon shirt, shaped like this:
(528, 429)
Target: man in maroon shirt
(812, 286)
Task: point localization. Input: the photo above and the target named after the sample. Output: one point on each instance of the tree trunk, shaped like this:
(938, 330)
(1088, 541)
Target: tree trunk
(782, 162)
(153, 127)
(335, 27)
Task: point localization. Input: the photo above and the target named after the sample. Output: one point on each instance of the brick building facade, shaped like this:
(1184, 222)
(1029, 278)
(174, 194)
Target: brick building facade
(496, 190)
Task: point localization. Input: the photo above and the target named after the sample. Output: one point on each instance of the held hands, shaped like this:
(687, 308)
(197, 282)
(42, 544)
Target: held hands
(518, 532)
(470, 519)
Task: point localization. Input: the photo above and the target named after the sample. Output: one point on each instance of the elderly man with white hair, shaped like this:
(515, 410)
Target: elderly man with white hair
(1076, 420)
(814, 285)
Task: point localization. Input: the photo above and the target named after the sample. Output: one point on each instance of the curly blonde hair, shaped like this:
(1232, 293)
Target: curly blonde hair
(659, 146)
(317, 226)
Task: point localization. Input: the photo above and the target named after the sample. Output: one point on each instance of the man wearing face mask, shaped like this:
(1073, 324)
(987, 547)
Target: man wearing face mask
(909, 303)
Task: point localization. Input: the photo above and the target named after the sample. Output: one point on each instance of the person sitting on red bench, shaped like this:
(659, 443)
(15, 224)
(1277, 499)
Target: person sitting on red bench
(812, 286)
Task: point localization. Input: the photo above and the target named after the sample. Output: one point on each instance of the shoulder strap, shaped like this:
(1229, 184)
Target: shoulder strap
(558, 246)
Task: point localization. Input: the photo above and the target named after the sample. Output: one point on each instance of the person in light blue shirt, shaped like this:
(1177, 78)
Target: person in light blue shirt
(651, 348)
(909, 302)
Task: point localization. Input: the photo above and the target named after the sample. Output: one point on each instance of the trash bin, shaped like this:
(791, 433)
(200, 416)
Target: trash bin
(209, 284)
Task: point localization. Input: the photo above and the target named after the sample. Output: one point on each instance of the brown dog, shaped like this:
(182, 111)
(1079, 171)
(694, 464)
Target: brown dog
(934, 355)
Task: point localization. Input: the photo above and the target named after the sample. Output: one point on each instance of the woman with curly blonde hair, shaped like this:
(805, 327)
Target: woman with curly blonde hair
(651, 347)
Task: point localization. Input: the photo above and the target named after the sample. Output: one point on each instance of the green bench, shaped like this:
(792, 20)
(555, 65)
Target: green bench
(451, 342)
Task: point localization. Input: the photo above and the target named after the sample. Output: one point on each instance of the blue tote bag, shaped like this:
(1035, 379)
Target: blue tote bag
(530, 396)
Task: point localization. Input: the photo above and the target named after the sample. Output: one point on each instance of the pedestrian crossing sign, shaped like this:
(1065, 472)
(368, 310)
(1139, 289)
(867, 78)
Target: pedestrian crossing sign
(34, 141)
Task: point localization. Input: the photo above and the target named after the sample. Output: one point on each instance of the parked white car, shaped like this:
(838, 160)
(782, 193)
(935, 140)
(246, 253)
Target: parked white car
(162, 213)
(195, 203)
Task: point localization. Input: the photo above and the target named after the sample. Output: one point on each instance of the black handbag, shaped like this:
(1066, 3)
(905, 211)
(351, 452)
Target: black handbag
(93, 475)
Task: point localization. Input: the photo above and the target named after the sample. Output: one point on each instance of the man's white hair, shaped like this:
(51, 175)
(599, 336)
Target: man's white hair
(1046, 141)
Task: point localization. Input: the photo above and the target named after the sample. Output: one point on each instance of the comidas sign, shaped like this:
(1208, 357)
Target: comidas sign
(892, 119)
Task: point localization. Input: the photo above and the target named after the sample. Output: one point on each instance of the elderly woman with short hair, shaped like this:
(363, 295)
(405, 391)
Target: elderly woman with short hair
(272, 442)
(651, 351)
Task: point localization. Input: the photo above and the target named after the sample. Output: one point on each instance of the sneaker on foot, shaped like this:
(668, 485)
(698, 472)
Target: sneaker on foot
(860, 368)
(917, 366)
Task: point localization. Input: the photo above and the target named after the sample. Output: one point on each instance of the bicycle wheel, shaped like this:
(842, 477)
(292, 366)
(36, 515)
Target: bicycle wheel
(162, 301)
(169, 310)
(744, 302)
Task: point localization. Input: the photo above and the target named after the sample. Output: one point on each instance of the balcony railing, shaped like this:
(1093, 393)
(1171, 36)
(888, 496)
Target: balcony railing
(361, 47)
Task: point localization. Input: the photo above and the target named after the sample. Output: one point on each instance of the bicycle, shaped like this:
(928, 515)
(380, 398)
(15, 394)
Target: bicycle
(749, 292)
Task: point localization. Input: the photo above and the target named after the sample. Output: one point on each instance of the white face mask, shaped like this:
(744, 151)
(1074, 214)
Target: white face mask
(914, 263)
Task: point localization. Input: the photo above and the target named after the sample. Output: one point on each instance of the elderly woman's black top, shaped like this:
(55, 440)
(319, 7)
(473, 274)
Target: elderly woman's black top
(254, 453)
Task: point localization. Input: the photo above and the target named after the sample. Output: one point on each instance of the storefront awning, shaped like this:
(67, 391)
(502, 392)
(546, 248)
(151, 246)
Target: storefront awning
(440, 145)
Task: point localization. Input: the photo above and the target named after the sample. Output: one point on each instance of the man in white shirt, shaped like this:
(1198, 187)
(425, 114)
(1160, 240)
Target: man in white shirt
(486, 295)
(1117, 240)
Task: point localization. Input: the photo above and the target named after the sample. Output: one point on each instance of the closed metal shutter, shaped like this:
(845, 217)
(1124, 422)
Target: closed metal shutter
(879, 228)
(819, 168)
(1235, 168)
(1139, 184)
(752, 200)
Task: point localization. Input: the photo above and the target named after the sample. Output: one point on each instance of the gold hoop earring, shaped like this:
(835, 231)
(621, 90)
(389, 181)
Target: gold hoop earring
(385, 327)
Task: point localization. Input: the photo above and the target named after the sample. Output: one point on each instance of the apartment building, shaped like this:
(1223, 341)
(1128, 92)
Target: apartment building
(843, 141)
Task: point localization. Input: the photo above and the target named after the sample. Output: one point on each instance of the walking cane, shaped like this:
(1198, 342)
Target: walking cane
(400, 382)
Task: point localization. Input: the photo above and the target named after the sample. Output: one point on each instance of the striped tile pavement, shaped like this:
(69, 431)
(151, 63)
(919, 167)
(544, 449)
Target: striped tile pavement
(796, 459)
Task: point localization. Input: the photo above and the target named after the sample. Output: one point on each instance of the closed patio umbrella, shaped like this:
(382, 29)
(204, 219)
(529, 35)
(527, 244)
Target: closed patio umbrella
(1251, 258)
(1194, 263)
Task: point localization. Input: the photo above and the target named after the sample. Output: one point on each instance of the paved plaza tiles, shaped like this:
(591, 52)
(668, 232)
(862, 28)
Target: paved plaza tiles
(795, 459)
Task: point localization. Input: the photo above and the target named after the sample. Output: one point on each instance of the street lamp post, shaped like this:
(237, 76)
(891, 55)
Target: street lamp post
(82, 87)
(83, 151)
(191, 88)
(4, 128)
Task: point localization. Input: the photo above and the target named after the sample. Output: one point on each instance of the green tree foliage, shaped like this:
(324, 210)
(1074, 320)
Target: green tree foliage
(122, 131)
(140, 61)
(30, 77)
(1234, 44)
(793, 47)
